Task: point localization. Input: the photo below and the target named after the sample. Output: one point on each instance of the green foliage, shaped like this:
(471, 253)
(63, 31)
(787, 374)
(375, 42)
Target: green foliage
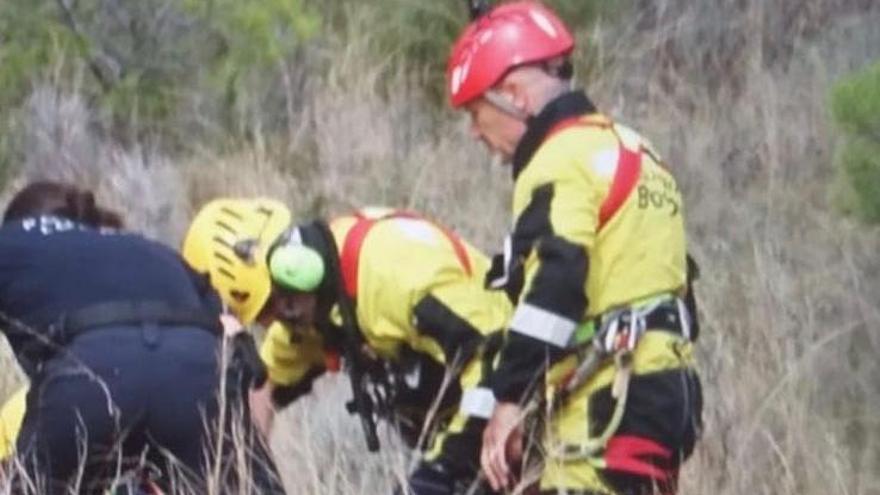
(420, 34)
(855, 104)
(31, 39)
(251, 35)
(143, 57)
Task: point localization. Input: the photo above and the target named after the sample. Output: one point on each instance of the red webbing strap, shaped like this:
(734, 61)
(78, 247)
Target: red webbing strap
(626, 176)
(629, 167)
(623, 451)
(351, 250)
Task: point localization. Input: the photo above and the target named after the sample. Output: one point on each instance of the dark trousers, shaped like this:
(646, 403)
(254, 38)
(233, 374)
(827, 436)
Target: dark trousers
(120, 394)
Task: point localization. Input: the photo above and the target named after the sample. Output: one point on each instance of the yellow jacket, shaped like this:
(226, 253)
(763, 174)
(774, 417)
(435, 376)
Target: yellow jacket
(412, 292)
(564, 264)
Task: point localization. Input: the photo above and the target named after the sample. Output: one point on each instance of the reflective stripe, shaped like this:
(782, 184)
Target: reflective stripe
(477, 402)
(684, 317)
(543, 325)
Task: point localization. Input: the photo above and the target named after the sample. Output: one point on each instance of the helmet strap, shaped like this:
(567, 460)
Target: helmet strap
(504, 104)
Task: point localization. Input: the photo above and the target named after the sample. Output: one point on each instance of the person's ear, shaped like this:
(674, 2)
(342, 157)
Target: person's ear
(515, 93)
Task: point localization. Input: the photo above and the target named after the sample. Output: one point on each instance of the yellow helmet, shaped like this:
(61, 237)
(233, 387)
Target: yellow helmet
(229, 240)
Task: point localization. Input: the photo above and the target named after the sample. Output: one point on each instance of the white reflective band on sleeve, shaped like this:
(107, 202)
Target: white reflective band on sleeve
(684, 317)
(477, 402)
(543, 325)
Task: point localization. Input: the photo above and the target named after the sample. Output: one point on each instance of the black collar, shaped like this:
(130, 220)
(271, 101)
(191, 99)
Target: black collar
(565, 106)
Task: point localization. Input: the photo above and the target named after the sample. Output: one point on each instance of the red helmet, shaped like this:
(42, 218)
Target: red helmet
(510, 35)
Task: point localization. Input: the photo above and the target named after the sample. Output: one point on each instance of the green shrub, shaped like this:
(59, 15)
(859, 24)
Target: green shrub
(420, 34)
(142, 58)
(32, 39)
(855, 103)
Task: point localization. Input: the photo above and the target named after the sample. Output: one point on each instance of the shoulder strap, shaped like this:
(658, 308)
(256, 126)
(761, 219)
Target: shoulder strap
(351, 251)
(352, 344)
(629, 167)
(626, 175)
(354, 240)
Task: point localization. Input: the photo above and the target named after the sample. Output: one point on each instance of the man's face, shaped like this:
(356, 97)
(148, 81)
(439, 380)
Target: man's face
(498, 130)
(296, 309)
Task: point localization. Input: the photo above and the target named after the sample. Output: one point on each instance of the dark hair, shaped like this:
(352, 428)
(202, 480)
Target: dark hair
(63, 200)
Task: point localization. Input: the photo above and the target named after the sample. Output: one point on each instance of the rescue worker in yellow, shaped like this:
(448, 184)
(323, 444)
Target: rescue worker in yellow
(596, 266)
(401, 299)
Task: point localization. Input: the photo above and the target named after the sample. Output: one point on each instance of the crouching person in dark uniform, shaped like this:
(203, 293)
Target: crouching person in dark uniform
(120, 340)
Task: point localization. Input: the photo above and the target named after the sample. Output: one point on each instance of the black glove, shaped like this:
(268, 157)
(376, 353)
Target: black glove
(246, 357)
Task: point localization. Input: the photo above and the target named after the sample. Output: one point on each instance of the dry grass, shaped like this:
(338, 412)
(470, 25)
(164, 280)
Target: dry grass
(789, 290)
(732, 92)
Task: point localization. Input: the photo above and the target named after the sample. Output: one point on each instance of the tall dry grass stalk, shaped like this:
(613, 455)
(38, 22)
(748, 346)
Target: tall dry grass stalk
(732, 92)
